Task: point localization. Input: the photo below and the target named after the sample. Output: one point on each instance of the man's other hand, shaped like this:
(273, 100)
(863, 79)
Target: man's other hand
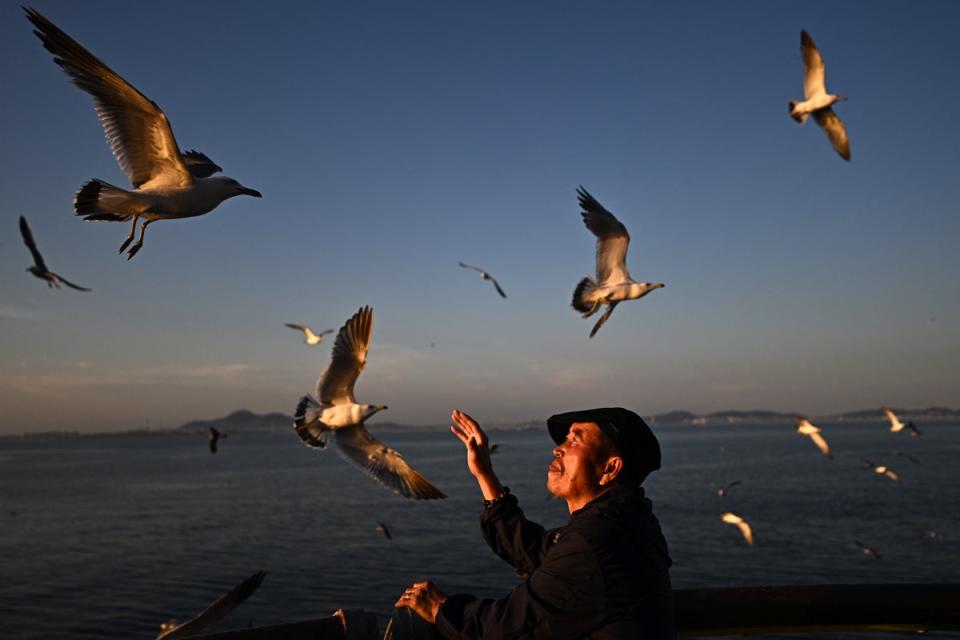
(424, 598)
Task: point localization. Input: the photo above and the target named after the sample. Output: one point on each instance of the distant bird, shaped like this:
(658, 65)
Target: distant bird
(486, 276)
(816, 99)
(906, 455)
(167, 184)
(214, 613)
(39, 268)
(310, 337)
(896, 425)
(382, 528)
(882, 470)
(494, 448)
(868, 551)
(722, 491)
(806, 428)
(213, 435)
(339, 412)
(613, 284)
(732, 518)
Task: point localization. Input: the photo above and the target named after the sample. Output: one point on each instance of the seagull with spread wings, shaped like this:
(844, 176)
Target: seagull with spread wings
(309, 337)
(338, 412)
(486, 276)
(216, 612)
(882, 470)
(896, 426)
(722, 491)
(39, 268)
(613, 284)
(817, 101)
(806, 428)
(743, 525)
(167, 184)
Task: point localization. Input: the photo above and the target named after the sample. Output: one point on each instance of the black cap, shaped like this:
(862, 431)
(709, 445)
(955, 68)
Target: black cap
(631, 436)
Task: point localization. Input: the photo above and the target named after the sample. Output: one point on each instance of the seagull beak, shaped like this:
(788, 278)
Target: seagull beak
(251, 192)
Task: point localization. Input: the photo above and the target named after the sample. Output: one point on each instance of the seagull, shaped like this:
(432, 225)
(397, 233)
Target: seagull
(382, 528)
(216, 612)
(882, 470)
(868, 551)
(486, 276)
(214, 436)
(339, 412)
(804, 427)
(494, 448)
(39, 267)
(722, 491)
(613, 283)
(167, 184)
(909, 457)
(817, 101)
(896, 425)
(310, 337)
(732, 518)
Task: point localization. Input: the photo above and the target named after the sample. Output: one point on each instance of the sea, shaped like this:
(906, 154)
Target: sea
(108, 536)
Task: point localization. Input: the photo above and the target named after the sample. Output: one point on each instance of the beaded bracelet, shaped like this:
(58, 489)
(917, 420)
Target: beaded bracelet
(495, 501)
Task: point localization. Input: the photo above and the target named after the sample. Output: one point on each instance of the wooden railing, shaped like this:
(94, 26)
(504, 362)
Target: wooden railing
(717, 612)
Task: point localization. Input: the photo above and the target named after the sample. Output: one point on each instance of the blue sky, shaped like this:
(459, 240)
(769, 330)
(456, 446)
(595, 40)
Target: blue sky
(392, 140)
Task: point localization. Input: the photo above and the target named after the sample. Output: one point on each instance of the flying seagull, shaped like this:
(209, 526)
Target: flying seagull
(882, 470)
(382, 528)
(732, 518)
(486, 276)
(214, 437)
(39, 268)
(167, 184)
(806, 428)
(310, 337)
(613, 284)
(906, 455)
(817, 101)
(869, 551)
(339, 412)
(216, 612)
(896, 425)
(722, 491)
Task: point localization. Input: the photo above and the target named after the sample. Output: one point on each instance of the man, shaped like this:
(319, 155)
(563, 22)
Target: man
(603, 575)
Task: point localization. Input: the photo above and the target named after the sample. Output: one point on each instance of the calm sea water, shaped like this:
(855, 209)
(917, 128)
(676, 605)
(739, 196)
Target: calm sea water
(108, 536)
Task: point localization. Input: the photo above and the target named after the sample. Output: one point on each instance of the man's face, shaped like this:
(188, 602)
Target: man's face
(576, 468)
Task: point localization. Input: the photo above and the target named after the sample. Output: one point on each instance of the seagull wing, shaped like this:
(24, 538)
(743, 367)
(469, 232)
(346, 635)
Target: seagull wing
(335, 385)
(821, 444)
(383, 463)
(612, 239)
(895, 424)
(31, 244)
(469, 266)
(732, 518)
(325, 332)
(199, 165)
(813, 82)
(296, 327)
(217, 610)
(136, 129)
(603, 319)
(68, 283)
(497, 286)
(832, 125)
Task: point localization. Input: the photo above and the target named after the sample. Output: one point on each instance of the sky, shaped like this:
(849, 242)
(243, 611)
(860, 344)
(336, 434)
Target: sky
(393, 140)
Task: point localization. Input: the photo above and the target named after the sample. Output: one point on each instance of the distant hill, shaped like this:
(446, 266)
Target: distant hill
(928, 413)
(239, 421)
(766, 417)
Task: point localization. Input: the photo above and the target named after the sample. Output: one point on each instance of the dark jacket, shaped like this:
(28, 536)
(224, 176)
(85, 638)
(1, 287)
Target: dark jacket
(604, 575)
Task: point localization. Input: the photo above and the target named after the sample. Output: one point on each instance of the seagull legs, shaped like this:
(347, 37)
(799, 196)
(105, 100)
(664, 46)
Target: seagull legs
(596, 307)
(133, 230)
(603, 319)
(136, 247)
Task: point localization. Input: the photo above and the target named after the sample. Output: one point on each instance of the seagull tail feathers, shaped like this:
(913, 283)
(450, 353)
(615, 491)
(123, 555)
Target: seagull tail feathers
(582, 300)
(99, 200)
(307, 423)
(799, 117)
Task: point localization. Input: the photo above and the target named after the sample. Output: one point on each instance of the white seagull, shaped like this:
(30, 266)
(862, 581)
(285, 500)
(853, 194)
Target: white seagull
(216, 612)
(722, 491)
(817, 101)
(309, 337)
(613, 283)
(806, 428)
(39, 268)
(167, 184)
(897, 426)
(734, 519)
(868, 551)
(339, 412)
(486, 276)
(882, 470)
